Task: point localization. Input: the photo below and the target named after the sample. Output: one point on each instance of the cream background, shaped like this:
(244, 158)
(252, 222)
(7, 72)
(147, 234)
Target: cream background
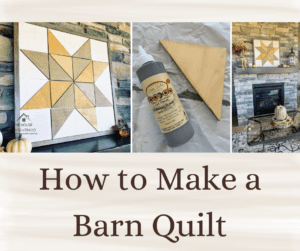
(261, 220)
(37, 220)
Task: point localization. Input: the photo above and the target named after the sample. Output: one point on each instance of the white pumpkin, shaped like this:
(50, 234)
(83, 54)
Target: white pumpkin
(1, 138)
(280, 112)
(19, 145)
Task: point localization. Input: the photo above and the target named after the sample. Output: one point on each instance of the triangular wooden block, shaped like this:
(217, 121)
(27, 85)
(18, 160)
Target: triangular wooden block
(56, 72)
(88, 90)
(65, 63)
(79, 65)
(40, 100)
(59, 117)
(101, 100)
(57, 89)
(204, 67)
(55, 47)
(84, 51)
(90, 115)
(87, 75)
(81, 101)
(99, 68)
(67, 100)
(39, 59)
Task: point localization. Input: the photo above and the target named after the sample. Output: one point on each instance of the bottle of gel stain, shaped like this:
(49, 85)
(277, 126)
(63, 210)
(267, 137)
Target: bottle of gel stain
(163, 99)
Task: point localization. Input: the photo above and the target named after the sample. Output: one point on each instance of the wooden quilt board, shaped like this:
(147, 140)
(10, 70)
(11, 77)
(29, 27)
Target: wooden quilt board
(63, 87)
(266, 53)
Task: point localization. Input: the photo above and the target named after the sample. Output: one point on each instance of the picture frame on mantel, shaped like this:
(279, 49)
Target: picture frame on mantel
(266, 53)
(64, 87)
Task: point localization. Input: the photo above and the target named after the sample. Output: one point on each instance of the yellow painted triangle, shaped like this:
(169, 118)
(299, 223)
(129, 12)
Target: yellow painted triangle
(87, 75)
(55, 47)
(90, 115)
(65, 63)
(40, 100)
(204, 67)
(58, 88)
(81, 101)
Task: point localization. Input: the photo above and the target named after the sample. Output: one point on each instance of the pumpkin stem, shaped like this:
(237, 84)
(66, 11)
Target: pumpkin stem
(20, 136)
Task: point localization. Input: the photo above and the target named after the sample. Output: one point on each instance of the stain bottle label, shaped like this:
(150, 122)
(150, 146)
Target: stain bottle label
(164, 102)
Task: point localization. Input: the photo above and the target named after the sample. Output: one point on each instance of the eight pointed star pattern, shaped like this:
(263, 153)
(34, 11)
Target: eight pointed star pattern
(71, 83)
(266, 52)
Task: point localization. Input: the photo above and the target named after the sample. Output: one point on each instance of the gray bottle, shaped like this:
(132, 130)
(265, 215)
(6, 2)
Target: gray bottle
(163, 100)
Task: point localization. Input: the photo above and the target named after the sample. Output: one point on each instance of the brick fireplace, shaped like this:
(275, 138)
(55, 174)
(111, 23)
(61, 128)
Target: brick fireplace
(245, 82)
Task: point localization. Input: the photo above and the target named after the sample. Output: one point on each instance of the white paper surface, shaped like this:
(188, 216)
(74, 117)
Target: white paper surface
(211, 135)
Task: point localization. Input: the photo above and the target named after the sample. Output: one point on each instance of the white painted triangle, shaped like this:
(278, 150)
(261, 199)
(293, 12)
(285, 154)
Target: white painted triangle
(31, 79)
(63, 38)
(104, 84)
(38, 125)
(75, 125)
(99, 51)
(71, 42)
(76, 43)
(105, 118)
(28, 88)
(28, 69)
(33, 38)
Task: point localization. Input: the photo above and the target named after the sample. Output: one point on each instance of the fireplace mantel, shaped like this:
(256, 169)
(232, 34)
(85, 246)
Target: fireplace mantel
(266, 70)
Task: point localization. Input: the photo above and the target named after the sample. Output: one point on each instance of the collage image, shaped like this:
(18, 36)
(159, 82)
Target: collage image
(145, 87)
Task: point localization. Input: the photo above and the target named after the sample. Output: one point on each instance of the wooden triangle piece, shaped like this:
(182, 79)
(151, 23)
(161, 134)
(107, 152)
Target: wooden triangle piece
(56, 72)
(87, 75)
(88, 90)
(67, 100)
(90, 115)
(101, 100)
(99, 68)
(40, 100)
(58, 88)
(39, 59)
(84, 51)
(59, 117)
(65, 63)
(55, 47)
(79, 65)
(204, 67)
(81, 101)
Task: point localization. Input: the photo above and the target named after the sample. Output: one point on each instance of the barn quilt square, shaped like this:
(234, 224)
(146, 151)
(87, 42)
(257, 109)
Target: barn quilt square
(64, 83)
(266, 53)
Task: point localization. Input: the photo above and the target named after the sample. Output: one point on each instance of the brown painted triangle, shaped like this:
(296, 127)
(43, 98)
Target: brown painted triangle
(81, 101)
(79, 65)
(67, 100)
(59, 117)
(65, 63)
(98, 68)
(56, 72)
(101, 100)
(88, 90)
(204, 67)
(90, 115)
(40, 100)
(58, 88)
(84, 51)
(39, 59)
(87, 75)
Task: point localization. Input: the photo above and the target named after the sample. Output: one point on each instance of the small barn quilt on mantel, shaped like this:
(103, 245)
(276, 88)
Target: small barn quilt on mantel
(64, 87)
(266, 53)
